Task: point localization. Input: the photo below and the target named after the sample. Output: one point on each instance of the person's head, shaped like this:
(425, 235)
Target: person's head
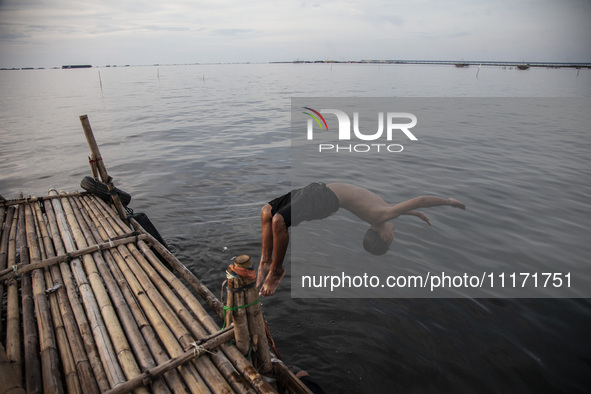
(374, 244)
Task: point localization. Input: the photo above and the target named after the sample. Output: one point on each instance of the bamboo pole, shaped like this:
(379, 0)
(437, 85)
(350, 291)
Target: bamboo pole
(13, 335)
(256, 320)
(8, 273)
(130, 330)
(29, 199)
(66, 357)
(93, 167)
(9, 375)
(5, 226)
(48, 348)
(81, 360)
(96, 155)
(84, 326)
(31, 341)
(229, 301)
(152, 308)
(2, 213)
(288, 380)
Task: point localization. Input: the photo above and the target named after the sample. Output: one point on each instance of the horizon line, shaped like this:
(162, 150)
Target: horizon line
(458, 63)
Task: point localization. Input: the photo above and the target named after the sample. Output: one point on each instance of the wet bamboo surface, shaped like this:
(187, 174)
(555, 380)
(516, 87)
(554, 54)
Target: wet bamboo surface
(87, 305)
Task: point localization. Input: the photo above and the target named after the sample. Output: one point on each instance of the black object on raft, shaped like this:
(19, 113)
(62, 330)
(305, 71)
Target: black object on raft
(100, 190)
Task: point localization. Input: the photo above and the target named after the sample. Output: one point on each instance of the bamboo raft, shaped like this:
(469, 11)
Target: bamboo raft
(90, 301)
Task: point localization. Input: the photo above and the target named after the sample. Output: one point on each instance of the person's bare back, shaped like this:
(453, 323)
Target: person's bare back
(364, 204)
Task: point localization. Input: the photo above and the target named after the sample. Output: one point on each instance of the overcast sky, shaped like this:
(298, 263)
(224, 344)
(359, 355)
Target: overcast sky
(46, 33)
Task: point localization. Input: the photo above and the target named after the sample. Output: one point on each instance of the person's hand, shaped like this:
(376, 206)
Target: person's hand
(423, 217)
(457, 204)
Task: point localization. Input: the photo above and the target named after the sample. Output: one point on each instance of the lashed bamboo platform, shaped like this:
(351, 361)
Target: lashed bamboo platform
(89, 303)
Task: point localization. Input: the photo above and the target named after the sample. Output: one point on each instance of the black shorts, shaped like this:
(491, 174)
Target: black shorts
(312, 202)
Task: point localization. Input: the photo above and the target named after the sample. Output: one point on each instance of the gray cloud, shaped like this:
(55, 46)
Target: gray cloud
(232, 32)
(43, 32)
(167, 28)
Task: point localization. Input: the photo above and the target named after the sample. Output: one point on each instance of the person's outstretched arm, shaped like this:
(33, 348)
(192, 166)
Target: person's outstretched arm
(407, 207)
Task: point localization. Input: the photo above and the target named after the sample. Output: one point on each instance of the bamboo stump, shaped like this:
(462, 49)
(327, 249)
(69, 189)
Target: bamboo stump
(237, 312)
(246, 299)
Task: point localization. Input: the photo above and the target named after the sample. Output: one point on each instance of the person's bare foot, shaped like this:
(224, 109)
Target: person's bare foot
(262, 272)
(457, 204)
(272, 282)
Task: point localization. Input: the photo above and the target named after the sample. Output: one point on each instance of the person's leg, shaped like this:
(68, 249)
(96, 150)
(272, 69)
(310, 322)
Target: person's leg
(280, 242)
(267, 244)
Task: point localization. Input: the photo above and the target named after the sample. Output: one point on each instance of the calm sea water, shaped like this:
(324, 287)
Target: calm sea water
(201, 148)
